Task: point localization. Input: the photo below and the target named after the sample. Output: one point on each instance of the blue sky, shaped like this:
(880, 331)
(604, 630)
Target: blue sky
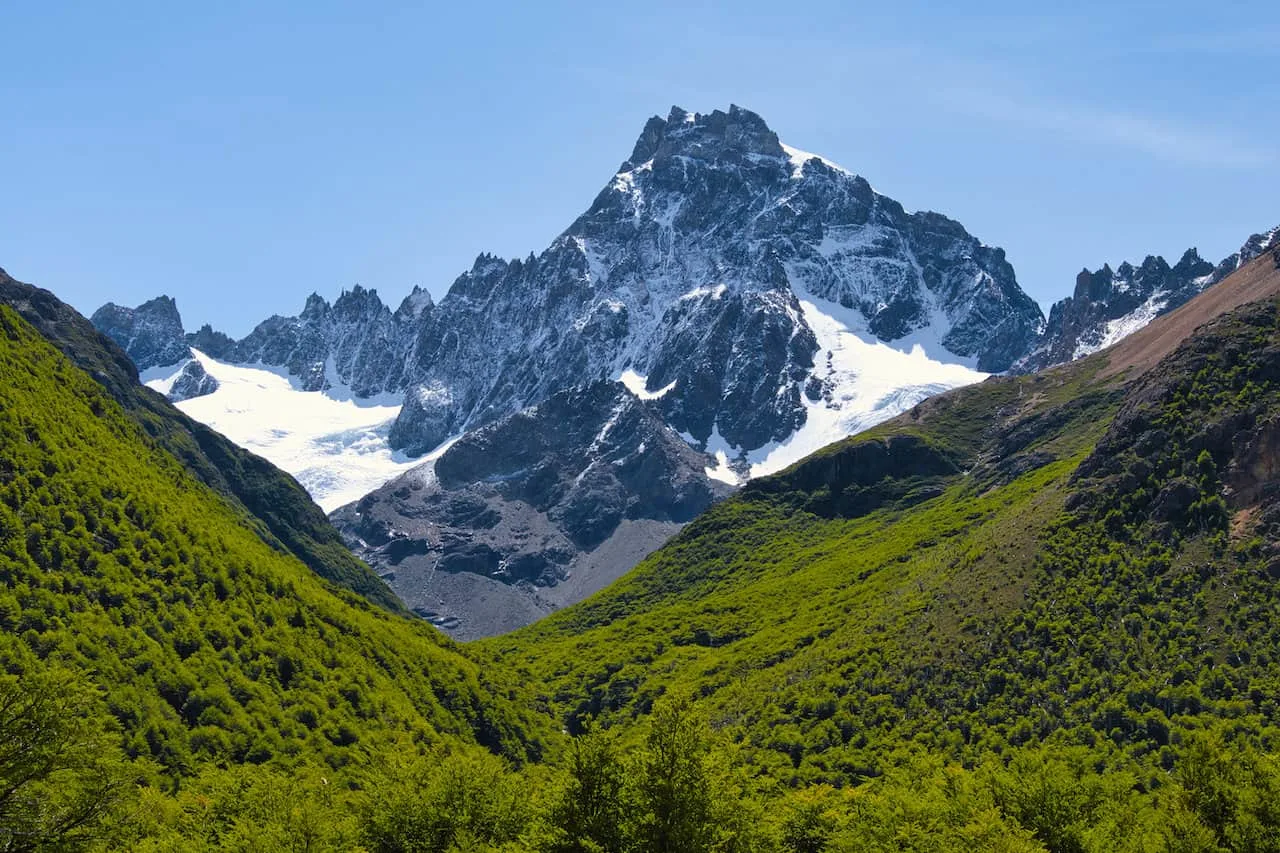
(239, 155)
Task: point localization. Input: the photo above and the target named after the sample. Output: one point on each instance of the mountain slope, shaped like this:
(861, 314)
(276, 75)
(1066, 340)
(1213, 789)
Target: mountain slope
(273, 502)
(534, 511)
(1108, 305)
(1083, 555)
(207, 644)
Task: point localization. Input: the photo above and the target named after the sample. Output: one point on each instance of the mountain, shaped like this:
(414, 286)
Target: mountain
(534, 511)
(1110, 304)
(759, 301)
(271, 501)
(777, 301)
(709, 268)
(1079, 559)
(150, 334)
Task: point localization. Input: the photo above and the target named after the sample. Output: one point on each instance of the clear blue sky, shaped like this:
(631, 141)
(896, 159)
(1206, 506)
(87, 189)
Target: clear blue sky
(238, 155)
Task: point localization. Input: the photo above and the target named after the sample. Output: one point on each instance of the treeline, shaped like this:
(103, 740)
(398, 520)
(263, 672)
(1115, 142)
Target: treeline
(65, 784)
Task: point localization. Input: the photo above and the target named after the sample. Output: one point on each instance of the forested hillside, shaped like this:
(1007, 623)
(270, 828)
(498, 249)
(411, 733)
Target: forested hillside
(274, 504)
(1037, 614)
(131, 587)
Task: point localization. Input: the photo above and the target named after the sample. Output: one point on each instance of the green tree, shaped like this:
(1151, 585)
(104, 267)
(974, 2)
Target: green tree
(1234, 792)
(675, 809)
(463, 800)
(590, 813)
(60, 766)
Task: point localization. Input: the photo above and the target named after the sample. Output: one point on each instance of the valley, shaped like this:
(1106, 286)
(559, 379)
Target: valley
(756, 514)
(758, 301)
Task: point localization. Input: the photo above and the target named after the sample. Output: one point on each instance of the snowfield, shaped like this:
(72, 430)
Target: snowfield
(866, 381)
(334, 443)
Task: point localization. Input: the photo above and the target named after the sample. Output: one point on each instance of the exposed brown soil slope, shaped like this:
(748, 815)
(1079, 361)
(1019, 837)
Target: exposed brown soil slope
(1137, 353)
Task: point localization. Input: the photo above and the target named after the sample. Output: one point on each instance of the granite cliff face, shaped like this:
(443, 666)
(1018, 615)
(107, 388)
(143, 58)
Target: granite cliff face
(531, 512)
(688, 271)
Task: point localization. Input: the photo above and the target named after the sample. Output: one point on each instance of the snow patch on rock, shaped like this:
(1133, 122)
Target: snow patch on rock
(333, 442)
(161, 378)
(798, 158)
(638, 385)
(864, 381)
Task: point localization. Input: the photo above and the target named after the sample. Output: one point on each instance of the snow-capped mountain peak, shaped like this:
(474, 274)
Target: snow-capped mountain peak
(751, 291)
(686, 270)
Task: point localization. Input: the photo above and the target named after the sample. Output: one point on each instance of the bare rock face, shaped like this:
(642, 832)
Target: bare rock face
(1109, 304)
(357, 341)
(193, 381)
(151, 334)
(538, 509)
(1254, 474)
(686, 269)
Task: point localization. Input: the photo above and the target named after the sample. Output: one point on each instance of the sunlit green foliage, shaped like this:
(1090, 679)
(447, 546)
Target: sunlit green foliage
(61, 769)
(208, 645)
(1057, 633)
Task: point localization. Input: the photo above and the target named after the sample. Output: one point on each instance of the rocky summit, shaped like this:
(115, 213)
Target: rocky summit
(151, 334)
(357, 342)
(689, 269)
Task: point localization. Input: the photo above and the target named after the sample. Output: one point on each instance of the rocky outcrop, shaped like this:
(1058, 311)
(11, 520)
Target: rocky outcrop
(151, 334)
(357, 342)
(212, 343)
(1108, 305)
(538, 509)
(1254, 474)
(192, 381)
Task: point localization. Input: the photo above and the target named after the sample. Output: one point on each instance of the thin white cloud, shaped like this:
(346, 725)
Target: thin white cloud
(1157, 138)
(1252, 43)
